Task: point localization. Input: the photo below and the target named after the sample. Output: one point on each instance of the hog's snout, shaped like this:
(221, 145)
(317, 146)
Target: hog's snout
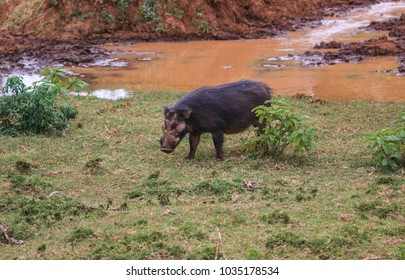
(168, 144)
(166, 150)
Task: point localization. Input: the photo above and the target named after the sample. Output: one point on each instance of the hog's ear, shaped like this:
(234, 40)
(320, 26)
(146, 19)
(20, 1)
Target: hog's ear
(165, 110)
(169, 113)
(186, 113)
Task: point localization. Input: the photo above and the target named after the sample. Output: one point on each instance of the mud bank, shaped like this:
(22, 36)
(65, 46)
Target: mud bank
(31, 55)
(70, 32)
(393, 45)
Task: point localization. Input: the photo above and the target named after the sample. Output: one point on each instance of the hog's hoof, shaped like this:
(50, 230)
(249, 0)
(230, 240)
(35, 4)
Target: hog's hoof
(220, 158)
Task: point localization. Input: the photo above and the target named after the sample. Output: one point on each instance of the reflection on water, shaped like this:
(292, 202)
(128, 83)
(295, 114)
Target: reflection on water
(189, 65)
(343, 29)
(108, 94)
(108, 62)
(113, 94)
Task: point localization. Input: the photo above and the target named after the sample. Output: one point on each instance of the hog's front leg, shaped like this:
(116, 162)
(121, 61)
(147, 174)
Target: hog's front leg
(194, 140)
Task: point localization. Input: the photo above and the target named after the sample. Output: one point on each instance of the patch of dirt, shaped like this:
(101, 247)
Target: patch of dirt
(38, 33)
(393, 45)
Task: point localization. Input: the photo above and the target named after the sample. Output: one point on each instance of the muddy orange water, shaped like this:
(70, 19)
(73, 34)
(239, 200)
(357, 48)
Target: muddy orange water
(188, 65)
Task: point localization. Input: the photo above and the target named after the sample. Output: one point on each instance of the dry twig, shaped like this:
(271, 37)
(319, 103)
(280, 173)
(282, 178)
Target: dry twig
(220, 245)
(47, 172)
(9, 239)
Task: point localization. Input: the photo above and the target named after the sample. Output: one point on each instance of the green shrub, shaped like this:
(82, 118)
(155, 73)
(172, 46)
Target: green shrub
(123, 5)
(32, 109)
(204, 26)
(388, 145)
(149, 10)
(282, 128)
(106, 17)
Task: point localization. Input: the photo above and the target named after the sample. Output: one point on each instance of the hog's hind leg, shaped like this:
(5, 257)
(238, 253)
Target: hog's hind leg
(218, 138)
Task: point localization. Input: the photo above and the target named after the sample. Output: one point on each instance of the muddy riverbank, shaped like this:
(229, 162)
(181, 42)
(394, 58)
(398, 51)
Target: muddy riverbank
(73, 36)
(391, 45)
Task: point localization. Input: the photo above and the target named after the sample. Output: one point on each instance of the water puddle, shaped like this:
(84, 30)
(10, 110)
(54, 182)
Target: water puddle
(114, 94)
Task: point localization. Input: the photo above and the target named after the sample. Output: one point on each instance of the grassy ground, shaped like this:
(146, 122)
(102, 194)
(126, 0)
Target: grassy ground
(105, 191)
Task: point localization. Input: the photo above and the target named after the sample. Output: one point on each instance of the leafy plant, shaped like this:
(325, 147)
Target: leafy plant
(281, 128)
(388, 145)
(149, 10)
(106, 17)
(123, 5)
(159, 25)
(204, 26)
(80, 15)
(33, 109)
(69, 111)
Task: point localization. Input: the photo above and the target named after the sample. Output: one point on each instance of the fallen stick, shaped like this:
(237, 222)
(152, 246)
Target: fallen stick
(221, 245)
(9, 239)
(47, 172)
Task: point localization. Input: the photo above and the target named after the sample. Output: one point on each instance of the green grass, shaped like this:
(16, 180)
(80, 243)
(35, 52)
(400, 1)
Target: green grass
(106, 191)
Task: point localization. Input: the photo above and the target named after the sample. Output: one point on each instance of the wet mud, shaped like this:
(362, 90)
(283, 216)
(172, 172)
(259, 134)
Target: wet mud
(391, 45)
(26, 55)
